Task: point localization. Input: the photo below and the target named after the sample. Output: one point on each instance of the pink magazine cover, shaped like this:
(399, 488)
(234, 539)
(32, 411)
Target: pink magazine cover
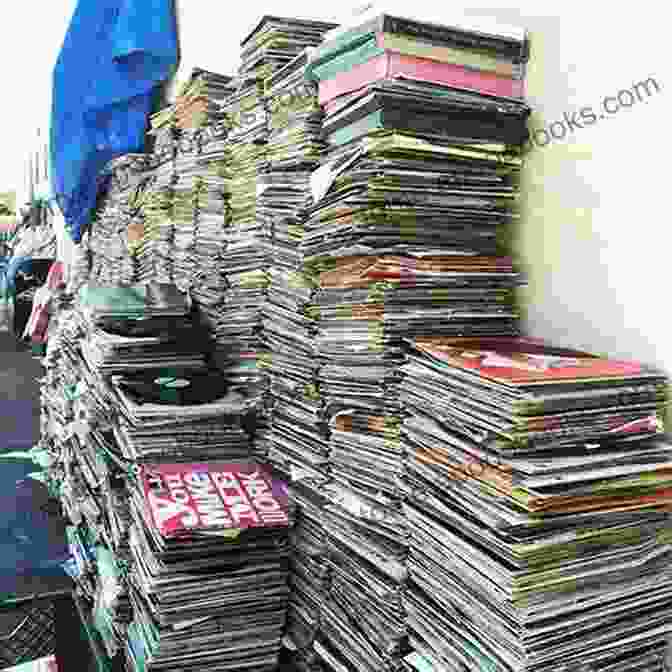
(188, 499)
(519, 361)
(390, 65)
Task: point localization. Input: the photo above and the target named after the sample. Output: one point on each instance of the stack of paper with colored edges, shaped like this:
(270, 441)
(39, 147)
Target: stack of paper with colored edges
(114, 345)
(295, 117)
(200, 101)
(277, 40)
(113, 241)
(245, 256)
(488, 59)
(210, 553)
(407, 235)
(169, 414)
(538, 490)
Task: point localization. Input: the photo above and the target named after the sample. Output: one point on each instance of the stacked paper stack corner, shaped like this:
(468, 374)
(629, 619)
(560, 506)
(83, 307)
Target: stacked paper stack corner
(402, 237)
(537, 487)
(181, 541)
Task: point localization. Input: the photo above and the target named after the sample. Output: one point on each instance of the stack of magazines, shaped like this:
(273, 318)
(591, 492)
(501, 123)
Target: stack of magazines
(114, 239)
(114, 345)
(406, 235)
(295, 116)
(210, 544)
(274, 41)
(538, 492)
(180, 415)
(200, 101)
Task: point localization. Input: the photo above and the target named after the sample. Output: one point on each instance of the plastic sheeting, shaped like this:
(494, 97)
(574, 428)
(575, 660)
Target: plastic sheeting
(114, 55)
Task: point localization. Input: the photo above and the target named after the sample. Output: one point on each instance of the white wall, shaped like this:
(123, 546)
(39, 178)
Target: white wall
(211, 32)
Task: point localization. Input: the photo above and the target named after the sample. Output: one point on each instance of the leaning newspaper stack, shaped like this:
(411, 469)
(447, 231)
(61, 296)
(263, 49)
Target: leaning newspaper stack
(406, 235)
(209, 582)
(538, 490)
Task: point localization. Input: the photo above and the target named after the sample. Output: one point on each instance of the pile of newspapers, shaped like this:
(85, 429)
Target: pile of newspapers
(538, 496)
(298, 436)
(117, 230)
(275, 41)
(210, 552)
(405, 236)
(257, 192)
(136, 417)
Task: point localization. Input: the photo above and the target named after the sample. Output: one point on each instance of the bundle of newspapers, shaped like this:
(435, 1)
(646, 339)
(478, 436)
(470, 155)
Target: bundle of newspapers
(406, 235)
(114, 240)
(209, 579)
(129, 387)
(274, 41)
(297, 441)
(538, 491)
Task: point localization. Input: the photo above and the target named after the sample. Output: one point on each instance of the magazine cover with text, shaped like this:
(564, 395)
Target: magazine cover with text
(189, 499)
(519, 361)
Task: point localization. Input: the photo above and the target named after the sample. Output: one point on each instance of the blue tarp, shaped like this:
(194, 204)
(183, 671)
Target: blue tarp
(115, 54)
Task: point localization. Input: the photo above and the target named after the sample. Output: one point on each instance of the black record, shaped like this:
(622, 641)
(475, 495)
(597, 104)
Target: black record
(174, 388)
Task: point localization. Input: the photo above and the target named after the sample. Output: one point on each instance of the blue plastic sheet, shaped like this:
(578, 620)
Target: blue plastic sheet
(115, 54)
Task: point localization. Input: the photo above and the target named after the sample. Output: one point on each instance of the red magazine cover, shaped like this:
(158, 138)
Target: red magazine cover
(187, 499)
(525, 360)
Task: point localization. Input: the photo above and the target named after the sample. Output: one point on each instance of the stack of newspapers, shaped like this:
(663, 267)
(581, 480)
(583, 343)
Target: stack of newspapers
(538, 494)
(406, 235)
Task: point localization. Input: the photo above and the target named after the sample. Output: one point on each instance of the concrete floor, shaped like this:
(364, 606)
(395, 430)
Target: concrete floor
(19, 395)
(20, 429)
